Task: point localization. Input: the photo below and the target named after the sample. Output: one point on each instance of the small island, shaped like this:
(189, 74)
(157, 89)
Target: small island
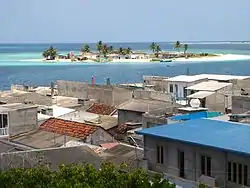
(107, 53)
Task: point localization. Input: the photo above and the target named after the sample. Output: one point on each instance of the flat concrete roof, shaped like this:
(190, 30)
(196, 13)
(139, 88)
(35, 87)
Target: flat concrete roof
(201, 94)
(222, 77)
(16, 106)
(25, 97)
(144, 105)
(104, 121)
(185, 78)
(42, 139)
(209, 86)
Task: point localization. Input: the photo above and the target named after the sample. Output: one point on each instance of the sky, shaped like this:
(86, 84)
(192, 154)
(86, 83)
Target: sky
(46, 21)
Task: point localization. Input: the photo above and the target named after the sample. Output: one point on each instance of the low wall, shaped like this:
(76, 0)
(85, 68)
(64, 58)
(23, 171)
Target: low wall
(51, 157)
(144, 94)
(110, 95)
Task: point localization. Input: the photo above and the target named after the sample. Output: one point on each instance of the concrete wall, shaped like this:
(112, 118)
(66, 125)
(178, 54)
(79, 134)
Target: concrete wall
(151, 120)
(216, 102)
(99, 136)
(110, 95)
(121, 95)
(72, 89)
(240, 84)
(240, 104)
(129, 116)
(22, 120)
(144, 94)
(192, 157)
(159, 82)
(52, 157)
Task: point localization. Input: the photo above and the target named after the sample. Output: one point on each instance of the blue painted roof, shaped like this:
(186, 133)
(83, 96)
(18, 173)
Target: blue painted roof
(219, 134)
(195, 115)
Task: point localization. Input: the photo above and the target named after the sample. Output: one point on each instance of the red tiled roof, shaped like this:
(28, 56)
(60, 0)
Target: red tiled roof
(109, 145)
(101, 109)
(69, 128)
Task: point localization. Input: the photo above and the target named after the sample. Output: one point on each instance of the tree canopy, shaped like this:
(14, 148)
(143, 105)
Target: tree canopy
(50, 53)
(185, 48)
(177, 45)
(84, 176)
(86, 49)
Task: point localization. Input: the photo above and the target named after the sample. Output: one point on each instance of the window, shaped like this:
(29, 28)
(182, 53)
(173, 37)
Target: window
(171, 88)
(160, 155)
(181, 163)
(240, 173)
(234, 172)
(3, 120)
(185, 92)
(237, 173)
(229, 171)
(176, 88)
(206, 165)
(245, 175)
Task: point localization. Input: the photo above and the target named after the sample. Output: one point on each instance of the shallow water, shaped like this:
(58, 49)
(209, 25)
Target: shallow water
(14, 71)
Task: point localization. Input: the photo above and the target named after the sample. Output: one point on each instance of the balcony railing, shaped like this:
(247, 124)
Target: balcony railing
(4, 131)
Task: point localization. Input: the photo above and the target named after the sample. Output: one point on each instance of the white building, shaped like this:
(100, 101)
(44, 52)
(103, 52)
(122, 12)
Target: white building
(214, 95)
(177, 85)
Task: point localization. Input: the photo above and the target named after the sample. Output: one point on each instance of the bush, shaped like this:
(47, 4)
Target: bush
(85, 176)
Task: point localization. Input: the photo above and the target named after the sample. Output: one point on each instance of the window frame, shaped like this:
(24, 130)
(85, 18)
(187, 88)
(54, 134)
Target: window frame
(179, 163)
(171, 88)
(205, 164)
(237, 173)
(159, 154)
(2, 120)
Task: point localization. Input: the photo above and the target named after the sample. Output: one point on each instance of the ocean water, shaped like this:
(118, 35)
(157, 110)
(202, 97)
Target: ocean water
(15, 70)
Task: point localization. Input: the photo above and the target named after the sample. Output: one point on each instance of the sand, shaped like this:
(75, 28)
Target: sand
(220, 57)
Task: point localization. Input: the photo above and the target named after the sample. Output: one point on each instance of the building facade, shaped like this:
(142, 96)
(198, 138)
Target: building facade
(17, 118)
(200, 151)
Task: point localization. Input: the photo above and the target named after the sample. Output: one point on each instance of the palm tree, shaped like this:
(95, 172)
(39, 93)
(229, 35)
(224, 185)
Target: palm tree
(177, 45)
(99, 46)
(105, 50)
(50, 53)
(152, 46)
(86, 49)
(185, 48)
(157, 50)
(121, 51)
(128, 50)
(110, 49)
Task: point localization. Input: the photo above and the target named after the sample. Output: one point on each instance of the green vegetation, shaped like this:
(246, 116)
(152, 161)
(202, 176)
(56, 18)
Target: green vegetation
(124, 51)
(185, 48)
(50, 53)
(156, 49)
(99, 46)
(177, 45)
(86, 49)
(152, 47)
(85, 176)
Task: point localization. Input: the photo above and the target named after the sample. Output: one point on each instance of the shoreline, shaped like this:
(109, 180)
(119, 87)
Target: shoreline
(219, 57)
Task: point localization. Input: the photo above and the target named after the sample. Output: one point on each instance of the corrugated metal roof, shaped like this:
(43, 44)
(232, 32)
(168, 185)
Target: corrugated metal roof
(209, 86)
(200, 94)
(213, 133)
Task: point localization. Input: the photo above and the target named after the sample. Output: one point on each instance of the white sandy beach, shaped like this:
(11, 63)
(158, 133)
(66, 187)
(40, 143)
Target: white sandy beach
(220, 57)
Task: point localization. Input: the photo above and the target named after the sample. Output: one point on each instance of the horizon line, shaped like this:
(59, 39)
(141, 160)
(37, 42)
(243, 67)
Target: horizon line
(115, 42)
